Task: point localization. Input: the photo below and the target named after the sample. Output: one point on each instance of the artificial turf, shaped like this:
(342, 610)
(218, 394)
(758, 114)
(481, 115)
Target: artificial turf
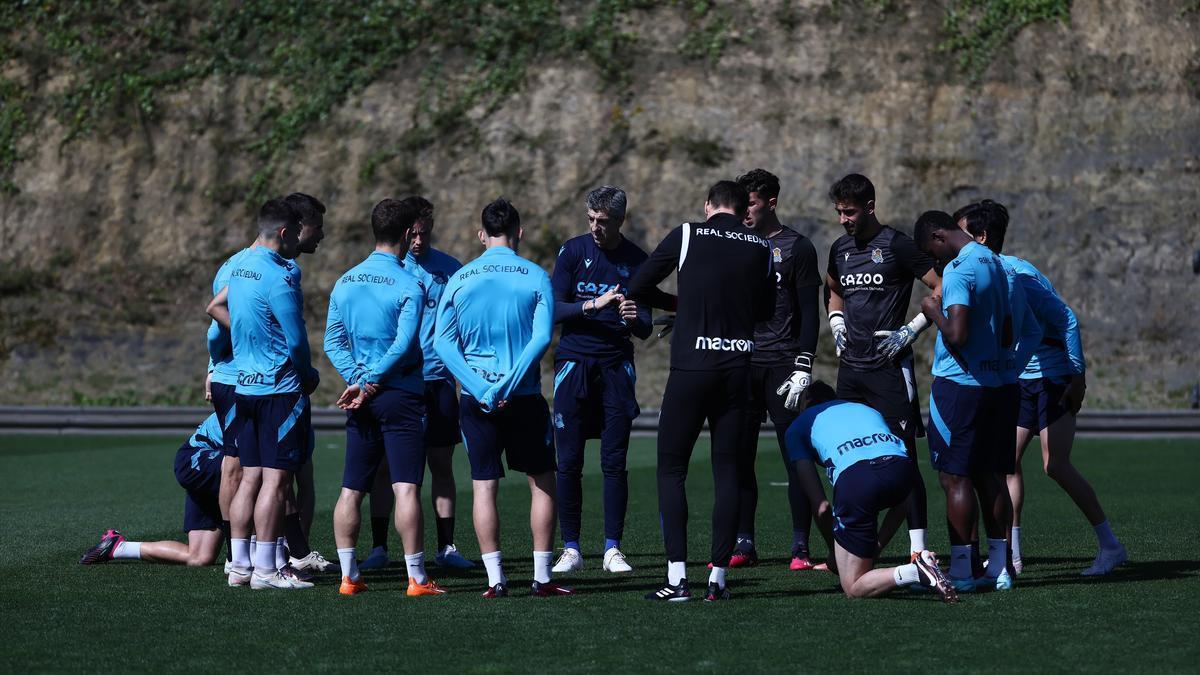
(61, 492)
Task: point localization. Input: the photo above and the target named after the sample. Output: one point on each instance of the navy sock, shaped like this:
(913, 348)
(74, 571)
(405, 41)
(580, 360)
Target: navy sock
(612, 543)
(445, 532)
(228, 542)
(297, 542)
(800, 543)
(379, 531)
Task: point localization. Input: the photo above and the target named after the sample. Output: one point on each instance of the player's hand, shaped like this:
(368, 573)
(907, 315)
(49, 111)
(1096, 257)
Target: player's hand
(628, 310)
(611, 296)
(208, 387)
(349, 400)
(793, 387)
(667, 322)
(931, 307)
(895, 341)
(1072, 398)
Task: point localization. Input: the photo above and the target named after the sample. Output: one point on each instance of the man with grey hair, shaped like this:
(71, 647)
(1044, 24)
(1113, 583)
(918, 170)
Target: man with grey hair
(594, 375)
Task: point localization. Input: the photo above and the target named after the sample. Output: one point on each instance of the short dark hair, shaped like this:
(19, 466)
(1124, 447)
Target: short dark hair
(818, 392)
(309, 207)
(986, 217)
(609, 199)
(853, 189)
(274, 215)
(422, 206)
(500, 218)
(761, 181)
(729, 194)
(928, 222)
(391, 220)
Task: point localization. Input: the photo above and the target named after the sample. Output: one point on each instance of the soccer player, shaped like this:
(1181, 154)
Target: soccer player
(781, 365)
(870, 278)
(870, 471)
(494, 323)
(594, 374)
(198, 470)
(1052, 390)
(726, 284)
(275, 377)
(372, 336)
(982, 326)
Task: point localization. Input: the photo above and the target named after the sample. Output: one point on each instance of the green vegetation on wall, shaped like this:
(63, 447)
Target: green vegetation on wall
(978, 29)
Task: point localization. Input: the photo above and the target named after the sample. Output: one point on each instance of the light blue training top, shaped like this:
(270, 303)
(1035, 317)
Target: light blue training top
(839, 434)
(266, 314)
(433, 269)
(1060, 352)
(493, 325)
(372, 333)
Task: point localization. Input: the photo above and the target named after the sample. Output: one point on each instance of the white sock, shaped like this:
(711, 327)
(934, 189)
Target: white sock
(1105, 535)
(906, 574)
(960, 562)
(997, 557)
(541, 566)
(253, 548)
(128, 550)
(717, 576)
(241, 553)
(349, 564)
(264, 559)
(495, 571)
(1015, 540)
(676, 572)
(916, 541)
(415, 564)
(281, 556)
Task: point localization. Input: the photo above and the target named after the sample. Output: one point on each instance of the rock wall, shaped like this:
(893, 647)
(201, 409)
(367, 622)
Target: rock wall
(1088, 130)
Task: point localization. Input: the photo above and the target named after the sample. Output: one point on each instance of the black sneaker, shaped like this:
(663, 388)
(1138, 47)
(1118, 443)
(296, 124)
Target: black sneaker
(102, 552)
(931, 577)
(680, 593)
(716, 592)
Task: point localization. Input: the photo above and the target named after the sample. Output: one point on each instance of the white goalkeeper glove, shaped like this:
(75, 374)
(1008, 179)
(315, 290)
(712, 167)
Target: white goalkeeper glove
(797, 382)
(895, 341)
(837, 324)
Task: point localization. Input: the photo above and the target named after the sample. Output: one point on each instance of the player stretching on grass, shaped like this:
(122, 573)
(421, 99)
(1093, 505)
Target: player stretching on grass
(594, 375)
(983, 323)
(870, 471)
(726, 284)
(494, 323)
(870, 278)
(1052, 389)
(275, 377)
(198, 470)
(372, 336)
(781, 365)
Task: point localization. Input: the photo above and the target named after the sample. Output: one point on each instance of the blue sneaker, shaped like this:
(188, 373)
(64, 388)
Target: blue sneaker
(376, 561)
(450, 557)
(1004, 582)
(963, 585)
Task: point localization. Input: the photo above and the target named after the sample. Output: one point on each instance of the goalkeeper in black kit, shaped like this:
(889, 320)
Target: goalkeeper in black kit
(726, 284)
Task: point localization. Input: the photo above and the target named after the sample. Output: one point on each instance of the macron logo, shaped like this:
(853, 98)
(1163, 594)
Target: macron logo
(724, 345)
(587, 262)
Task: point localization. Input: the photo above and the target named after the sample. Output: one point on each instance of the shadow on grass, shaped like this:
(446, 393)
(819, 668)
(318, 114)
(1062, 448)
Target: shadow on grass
(1134, 570)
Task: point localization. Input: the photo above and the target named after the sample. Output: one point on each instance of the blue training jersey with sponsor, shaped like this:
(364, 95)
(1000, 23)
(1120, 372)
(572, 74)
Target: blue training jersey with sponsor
(208, 435)
(493, 325)
(839, 434)
(582, 272)
(266, 315)
(220, 343)
(433, 270)
(976, 279)
(373, 330)
(1060, 351)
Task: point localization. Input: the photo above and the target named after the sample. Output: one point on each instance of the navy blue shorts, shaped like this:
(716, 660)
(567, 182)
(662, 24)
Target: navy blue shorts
(198, 471)
(275, 431)
(862, 492)
(224, 400)
(521, 433)
(590, 395)
(972, 429)
(392, 423)
(441, 414)
(1040, 405)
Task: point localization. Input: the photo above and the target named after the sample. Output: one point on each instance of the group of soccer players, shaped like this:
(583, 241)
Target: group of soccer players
(410, 325)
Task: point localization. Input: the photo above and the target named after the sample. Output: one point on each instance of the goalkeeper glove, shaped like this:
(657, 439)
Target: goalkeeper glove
(837, 324)
(797, 382)
(897, 341)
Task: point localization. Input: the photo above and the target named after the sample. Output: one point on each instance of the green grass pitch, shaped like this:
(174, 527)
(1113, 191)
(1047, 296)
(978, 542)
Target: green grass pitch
(61, 492)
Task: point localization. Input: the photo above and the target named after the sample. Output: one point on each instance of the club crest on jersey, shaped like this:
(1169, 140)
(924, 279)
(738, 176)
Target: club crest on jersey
(587, 262)
(777, 254)
(623, 271)
(877, 256)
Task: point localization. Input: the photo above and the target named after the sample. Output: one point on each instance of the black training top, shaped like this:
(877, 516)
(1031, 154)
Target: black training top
(792, 328)
(876, 279)
(726, 283)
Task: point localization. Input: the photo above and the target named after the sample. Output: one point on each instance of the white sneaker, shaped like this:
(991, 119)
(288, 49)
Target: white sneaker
(1018, 566)
(1106, 561)
(314, 562)
(238, 577)
(278, 581)
(614, 561)
(569, 561)
(228, 566)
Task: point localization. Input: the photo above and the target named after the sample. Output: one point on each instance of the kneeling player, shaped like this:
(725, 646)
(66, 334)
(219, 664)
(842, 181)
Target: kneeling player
(870, 472)
(198, 470)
